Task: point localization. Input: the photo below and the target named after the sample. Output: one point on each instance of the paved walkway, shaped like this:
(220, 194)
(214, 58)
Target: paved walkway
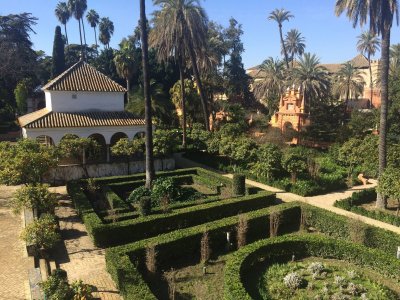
(78, 256)
(14, 262)
(323, 201)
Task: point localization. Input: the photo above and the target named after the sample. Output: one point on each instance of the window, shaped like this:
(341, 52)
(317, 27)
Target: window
(290, 106)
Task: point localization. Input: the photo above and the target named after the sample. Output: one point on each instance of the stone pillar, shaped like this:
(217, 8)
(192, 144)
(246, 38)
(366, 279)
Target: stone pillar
(84, 157)
(108, 153)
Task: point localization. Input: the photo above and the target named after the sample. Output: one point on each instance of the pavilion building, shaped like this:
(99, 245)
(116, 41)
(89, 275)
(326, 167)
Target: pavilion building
(83, 102)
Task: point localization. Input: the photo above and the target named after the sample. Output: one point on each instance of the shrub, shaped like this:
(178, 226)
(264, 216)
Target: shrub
(145, 206)
(293, 281)
(81, 290)
(305, 188)
(56, 287)
(164, 190)
(239, 184)
(138, 194)
(34, 196)
(316, 268)
(42, 232)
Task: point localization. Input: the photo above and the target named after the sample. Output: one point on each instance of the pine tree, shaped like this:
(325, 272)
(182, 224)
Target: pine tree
(58, 65)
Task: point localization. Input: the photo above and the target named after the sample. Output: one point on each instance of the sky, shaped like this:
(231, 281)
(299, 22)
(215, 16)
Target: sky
(331, 38)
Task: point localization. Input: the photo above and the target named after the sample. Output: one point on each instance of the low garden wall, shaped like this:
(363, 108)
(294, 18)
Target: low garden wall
(62, 174)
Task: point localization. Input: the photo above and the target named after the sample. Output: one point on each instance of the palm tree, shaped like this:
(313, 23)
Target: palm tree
(182, 25)
(124, 60)
(63, 15)
(368, 44)
(280, 16)
(294, 44)
(150, 174)
(348, 81)
(273, 78)
(380, 15)
(93, 19)
(77, 8)
(312, 78)
(106, 29)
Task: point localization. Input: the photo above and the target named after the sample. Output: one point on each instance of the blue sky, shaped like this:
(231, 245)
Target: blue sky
(333, 39)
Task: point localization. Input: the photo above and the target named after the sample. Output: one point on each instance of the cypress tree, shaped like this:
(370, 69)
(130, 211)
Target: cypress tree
(58, 65)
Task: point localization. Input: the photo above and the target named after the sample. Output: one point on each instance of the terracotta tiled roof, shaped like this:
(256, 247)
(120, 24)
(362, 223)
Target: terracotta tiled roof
(83, 77)
(49, 119)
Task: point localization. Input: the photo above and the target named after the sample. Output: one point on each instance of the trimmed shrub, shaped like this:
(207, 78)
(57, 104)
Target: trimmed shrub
(239, 184)
(145, 206)
(105, 235)
(34, 197)
(282, 248)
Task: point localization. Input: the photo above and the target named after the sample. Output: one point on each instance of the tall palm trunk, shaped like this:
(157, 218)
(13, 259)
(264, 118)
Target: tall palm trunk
(371, 84)
(66, 35)
(381, 201)
(95, 39)
(146, 85)
(80, 36)
(128, 84)
(283, 46)
(183, 104)
(83, 29)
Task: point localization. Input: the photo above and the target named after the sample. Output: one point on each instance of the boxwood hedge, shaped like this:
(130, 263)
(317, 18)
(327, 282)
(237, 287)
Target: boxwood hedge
(270, 250)
(107, 234)
(126, 263)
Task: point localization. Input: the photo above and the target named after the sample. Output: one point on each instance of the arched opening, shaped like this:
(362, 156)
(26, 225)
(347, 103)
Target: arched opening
(140, 135)
(114, 139)
(45, 140)
(69, 157)
(288, 131)
(99, 154)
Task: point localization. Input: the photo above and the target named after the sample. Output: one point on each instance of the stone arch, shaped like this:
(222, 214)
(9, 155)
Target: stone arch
(288, 131)
(70, 160)
(100, 155)
(114, 139)
(139, 135)
(45, 140)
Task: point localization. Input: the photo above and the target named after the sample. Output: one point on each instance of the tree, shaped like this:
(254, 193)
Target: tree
(150, 174)
(183, 23)
(106, 28)
(294, 44)
(271, 84)
(389, 185)
(126, 148)
(280, 16)
(237, 81)
(312, 78)
(93, 19)
(58, 63)
(21, 95)
(25, 162)
(368, 44)
(268, 161)
(77, 8)
(77, 148)
(42, 232)
(380, 14)
(350, 156)
(348, 81)
(124, 60)
(63, 15)
(34, 196)
(295, 161)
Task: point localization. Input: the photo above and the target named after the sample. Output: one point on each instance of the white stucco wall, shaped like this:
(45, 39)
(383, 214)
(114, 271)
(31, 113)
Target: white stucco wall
(107, 131)
(64, 101)
(62, 174)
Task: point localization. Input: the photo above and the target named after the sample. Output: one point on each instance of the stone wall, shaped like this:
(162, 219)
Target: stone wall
(62, 174)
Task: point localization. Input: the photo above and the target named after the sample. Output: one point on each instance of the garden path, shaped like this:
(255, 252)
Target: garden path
(78, 255)
(14, 261)
(322, 201)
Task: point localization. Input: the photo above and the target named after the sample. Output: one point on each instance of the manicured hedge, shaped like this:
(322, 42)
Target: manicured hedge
(340, 227)
(271, 250)
(126, 263)
(353, 204)
(105, 235)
